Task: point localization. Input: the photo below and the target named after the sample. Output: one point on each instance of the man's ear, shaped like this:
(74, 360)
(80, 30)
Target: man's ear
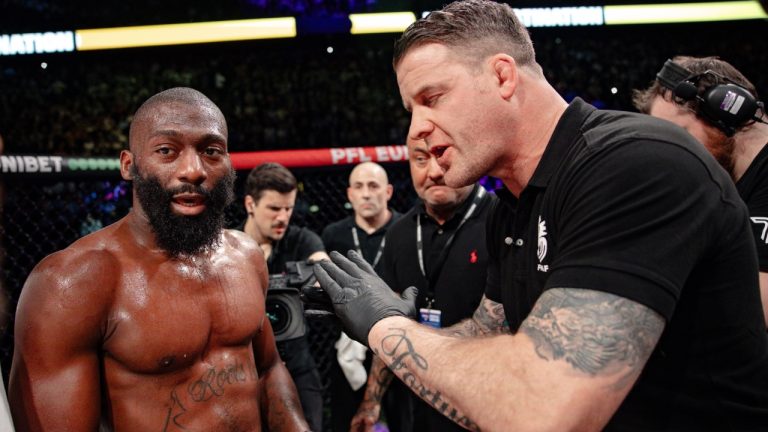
(126, 163)
(249, 204)
(349, 194)
(506, 72)
(390, 190)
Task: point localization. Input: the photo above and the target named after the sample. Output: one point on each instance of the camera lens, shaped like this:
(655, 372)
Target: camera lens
(279, 315)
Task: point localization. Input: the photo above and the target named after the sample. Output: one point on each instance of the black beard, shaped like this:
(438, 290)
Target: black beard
(184, 235)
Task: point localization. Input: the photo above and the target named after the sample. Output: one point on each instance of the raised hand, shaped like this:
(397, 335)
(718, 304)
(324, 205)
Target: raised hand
(360, 298)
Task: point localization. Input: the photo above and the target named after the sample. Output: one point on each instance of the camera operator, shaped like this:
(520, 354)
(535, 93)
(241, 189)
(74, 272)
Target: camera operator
(369, 192)
(270, 195)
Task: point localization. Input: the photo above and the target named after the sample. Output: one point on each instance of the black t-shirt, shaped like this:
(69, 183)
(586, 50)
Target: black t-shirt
(459, 286)
(298, 244)
(338, 237)
(627, 204)
(753, 188)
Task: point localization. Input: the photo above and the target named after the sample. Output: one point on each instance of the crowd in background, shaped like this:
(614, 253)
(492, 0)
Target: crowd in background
(57, 15)
(294, 93)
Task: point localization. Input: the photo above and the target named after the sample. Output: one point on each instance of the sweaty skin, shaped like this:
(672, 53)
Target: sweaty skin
(114, 331)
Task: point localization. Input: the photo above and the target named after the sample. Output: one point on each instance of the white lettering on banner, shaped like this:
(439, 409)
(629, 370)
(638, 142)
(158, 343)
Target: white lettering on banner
(397, 153)
(382, 155)
(561, 16)
(391, 153)
(30, 164)
(336, 155)
(379, 154)
(357, 154)
(37, 43)
(363, 156)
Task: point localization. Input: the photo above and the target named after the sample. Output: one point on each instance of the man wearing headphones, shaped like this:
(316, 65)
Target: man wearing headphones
(718, 105)
(622, 256)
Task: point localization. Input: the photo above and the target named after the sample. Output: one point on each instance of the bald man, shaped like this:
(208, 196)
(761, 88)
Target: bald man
(156, 322)
(369, 192)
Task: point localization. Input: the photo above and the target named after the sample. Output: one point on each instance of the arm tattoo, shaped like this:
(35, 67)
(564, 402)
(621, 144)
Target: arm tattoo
(488, 319)
(489, 316)
(595, 332)
(382, 378)
(395, 349)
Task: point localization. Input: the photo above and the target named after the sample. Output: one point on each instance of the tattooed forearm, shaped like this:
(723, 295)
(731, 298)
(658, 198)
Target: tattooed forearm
(377, 386)
(595, 332)
(465, 328)
(488, 319)
(395, 349)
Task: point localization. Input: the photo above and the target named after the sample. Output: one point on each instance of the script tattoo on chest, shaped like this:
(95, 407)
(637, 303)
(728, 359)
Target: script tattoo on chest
(213, 383)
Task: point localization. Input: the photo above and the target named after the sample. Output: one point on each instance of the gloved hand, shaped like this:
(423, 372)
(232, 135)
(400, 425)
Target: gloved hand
(360, 298)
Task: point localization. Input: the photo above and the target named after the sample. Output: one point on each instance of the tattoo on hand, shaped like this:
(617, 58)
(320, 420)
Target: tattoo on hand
(487, 319)
(399, 341)
(490, 317)
(595, 332)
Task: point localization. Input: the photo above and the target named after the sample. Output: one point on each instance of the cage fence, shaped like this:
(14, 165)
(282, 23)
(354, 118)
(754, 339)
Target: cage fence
(42, 215)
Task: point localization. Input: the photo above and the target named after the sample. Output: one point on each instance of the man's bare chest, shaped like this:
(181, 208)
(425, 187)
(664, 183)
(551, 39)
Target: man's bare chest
(166, 318)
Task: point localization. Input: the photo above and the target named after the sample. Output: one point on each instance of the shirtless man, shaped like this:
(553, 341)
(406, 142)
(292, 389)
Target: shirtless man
(156, 323)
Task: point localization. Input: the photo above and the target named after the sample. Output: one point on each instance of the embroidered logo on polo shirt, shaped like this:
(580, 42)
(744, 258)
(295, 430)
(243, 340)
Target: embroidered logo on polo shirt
(764, 222)
(473, 256)
(541, 251)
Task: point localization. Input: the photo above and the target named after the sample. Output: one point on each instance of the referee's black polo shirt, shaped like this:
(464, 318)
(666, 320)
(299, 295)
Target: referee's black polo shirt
(632, 205)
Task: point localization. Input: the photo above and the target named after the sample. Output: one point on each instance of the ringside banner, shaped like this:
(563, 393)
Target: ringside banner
(47, 165)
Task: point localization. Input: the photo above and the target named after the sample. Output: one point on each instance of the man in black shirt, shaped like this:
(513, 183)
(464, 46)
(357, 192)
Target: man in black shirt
(270, 195)
(740, 148)
(448, 266)
(623, 256)
(369, 192)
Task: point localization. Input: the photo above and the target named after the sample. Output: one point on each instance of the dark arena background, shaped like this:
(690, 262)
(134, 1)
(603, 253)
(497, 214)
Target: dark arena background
(326, 94)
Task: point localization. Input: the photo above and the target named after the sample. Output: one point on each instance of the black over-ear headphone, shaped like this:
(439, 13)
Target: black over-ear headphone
(726, 105)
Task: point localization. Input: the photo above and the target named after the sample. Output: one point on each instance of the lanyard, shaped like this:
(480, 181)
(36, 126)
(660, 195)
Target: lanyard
(357, 247)
(444, 254)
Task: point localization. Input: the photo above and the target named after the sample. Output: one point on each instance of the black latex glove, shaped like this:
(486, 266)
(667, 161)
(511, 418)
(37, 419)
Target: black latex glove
(360, 298)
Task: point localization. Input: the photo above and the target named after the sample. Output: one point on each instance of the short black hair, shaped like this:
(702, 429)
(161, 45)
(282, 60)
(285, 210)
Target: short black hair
(269, 176)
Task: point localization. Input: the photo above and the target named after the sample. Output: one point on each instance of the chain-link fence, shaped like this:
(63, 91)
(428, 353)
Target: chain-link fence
(42, 216)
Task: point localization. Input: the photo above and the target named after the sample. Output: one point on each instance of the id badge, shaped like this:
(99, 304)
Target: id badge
(430, 317)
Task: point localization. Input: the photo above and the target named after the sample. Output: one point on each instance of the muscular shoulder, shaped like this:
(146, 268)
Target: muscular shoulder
(79, 281)
(242, 242)
(89, 264)
(242, 250)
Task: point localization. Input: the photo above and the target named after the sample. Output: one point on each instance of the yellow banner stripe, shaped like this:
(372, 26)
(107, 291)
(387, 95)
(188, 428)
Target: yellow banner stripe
(177, 34)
